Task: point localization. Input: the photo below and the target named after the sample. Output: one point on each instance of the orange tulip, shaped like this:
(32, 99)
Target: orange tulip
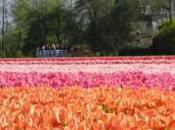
(171, 125)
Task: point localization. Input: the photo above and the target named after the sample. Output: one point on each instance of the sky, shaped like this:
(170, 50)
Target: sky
(9, 15)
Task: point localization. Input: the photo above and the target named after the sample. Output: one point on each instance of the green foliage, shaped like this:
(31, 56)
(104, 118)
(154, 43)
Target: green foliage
(109, 32)
(165, 41)
(42, 21)
(103, 25)
(167, 32)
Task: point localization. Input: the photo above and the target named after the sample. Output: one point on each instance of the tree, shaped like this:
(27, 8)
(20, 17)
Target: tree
(3, 25)
(107, 23)
(55, 24)
(22, 17)
(90, 10)
(170, 10)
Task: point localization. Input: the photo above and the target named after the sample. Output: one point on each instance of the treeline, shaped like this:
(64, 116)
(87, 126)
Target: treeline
(103, 26)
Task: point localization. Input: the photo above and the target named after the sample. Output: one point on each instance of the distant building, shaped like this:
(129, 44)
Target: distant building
(152, 16)
(149, 20)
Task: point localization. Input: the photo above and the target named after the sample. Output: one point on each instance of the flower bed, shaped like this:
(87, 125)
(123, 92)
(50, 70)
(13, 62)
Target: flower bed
(88, 80)
(75, 108)
(89, 60)
(98, 93)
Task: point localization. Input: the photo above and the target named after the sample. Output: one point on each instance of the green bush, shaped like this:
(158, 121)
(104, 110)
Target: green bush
(164, 42)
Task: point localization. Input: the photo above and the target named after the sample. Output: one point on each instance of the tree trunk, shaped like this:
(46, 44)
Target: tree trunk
(170, 11)
(3, 26)
(6, 27)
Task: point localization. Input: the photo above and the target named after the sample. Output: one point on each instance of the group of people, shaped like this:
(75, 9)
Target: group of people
(53, 50)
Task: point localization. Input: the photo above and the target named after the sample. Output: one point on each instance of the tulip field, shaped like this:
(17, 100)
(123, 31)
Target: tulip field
(97, 93)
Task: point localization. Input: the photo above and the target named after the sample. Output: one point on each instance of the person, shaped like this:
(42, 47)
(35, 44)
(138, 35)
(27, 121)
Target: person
(38, 52)
(52, 51)
(53, 47)
(57, 50)
(43, 51)
(46, 52)
(43, 47)
(57, 47)
(61, 46)
(69, 48)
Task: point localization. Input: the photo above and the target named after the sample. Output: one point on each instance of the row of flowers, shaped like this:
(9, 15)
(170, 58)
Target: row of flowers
(88, 80)
(93, 68)
(90, 60)
(77, 108)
